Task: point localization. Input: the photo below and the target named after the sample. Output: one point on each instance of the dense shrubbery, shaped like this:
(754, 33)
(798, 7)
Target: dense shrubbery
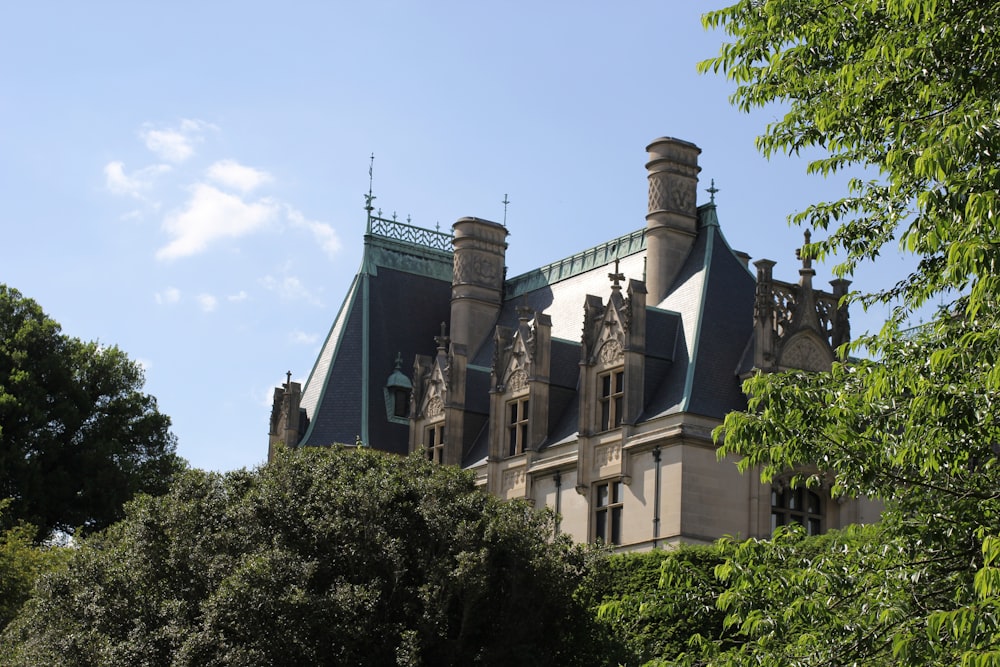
(323, 557)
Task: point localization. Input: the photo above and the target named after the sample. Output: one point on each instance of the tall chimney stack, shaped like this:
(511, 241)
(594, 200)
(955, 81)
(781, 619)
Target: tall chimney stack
(477, 286)
(672, 220)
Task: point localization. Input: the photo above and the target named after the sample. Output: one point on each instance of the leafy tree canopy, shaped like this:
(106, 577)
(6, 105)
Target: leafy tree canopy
(21, 564)
(909, 90)
(78, 437)
(323, 557)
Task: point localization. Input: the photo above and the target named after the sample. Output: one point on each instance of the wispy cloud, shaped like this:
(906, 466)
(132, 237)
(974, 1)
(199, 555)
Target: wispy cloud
(174, 144)
(211, 215)
(168, 296)
(207, 302)
(289, 288)
(303, 338)
(323, 233)
(232, 174)
(135, 184)
(238, 297)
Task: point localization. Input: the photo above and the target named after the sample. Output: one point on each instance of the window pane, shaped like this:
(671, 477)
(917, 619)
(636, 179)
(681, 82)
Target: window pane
(605, 385)
(602, 495)
(619, 382)
(618, 411)
(616, 492)
(616, 525)
(512, 441)
(605, 415)
(813, 527)
(813, 503)
(601, 526)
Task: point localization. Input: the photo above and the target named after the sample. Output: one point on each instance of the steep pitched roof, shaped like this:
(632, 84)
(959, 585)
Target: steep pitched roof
(395, 305)
(714, 294)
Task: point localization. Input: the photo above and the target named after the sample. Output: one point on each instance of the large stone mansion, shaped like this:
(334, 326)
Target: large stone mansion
(590, 385)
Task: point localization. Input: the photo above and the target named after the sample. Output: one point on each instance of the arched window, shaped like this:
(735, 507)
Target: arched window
(799, 505)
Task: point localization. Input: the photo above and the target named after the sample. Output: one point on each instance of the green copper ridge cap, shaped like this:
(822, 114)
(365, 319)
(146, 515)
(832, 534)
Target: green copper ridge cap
(404, 247)
(592, 258)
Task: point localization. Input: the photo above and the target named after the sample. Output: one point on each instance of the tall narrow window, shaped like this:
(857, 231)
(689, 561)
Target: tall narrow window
(434, 441)
(611, 389)
(608, 512)
(517, 426)
(800, 506)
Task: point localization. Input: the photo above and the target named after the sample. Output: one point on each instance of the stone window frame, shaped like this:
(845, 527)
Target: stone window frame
(609, 511)
(434, 437)
(800, 505)
(516, 423)
(610, 400)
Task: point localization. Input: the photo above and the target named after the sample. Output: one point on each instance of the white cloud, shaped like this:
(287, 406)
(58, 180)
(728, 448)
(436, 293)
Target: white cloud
(134, 184)
(302, 338)
(207, 302)
(232, 174)
(236, 298)
(323, 233)
(169, 295)
(212, 215)
(289, 288)
(174, 144)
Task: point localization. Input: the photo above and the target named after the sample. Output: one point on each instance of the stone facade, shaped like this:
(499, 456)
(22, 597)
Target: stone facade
(591, 385)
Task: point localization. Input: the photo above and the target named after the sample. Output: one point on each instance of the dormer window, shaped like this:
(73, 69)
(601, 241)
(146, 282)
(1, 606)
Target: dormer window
(611, 391)
(434, 442)
(397, 390)
(517, 426)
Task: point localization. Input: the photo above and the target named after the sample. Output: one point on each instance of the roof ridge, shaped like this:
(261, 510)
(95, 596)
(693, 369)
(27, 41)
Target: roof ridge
(581, 262)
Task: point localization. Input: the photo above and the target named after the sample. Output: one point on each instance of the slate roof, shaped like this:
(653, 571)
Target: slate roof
(696, 337)
(395, 305)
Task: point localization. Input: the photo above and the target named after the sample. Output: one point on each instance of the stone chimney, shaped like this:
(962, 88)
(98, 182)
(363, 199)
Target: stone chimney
(286, 418)
(480, 248)
(672, 221)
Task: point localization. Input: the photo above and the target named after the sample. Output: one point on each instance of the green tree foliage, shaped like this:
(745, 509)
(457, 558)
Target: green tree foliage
(657, 602)
(907, 89)
(21, 564)
(78, 437)
(323, 557)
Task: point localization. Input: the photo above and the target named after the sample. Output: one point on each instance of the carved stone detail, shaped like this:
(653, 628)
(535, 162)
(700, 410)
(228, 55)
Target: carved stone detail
(607, 454)
(517, 381)
(435, 407)
(512, 479)
(611, 352)
(477, 270)
(805, 354)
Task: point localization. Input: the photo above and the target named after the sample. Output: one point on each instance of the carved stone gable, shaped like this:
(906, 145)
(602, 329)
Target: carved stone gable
(434, 393)
(806, 352)
(609, 341)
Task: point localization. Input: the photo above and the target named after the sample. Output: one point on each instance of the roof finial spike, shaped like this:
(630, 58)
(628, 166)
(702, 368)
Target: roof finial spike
(370, 197)
(711, 191)
(800, 254)
(505, 202)
(617, 276)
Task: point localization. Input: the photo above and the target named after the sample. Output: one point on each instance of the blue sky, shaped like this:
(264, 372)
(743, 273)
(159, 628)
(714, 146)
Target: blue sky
(186, 179)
